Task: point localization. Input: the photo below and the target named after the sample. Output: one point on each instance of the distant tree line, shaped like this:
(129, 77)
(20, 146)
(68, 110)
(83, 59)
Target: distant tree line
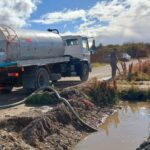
(135, 50)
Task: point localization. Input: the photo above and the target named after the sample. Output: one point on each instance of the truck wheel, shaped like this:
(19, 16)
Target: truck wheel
(84, 73)
(42, 78)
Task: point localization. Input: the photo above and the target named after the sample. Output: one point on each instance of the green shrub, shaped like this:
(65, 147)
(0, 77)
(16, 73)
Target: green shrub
(43, 98)
(135, 94)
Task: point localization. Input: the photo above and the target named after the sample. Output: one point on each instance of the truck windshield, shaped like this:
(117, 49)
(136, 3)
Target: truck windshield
(71, 42)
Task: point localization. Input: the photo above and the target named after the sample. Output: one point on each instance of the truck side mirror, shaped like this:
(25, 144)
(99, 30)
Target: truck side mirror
(93, 47)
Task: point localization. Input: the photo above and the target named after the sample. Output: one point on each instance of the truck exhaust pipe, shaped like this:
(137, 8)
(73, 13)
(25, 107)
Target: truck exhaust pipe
(53, 30)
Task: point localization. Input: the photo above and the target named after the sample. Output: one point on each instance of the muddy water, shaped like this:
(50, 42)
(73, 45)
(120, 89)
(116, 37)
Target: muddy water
(125, 130)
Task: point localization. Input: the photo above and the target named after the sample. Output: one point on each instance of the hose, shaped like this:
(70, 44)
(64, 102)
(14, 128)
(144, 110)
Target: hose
(48, 89)
(20, 102)
(71, 109)
(17, 103)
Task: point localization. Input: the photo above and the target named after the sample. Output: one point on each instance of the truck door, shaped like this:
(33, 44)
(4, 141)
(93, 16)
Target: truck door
(73, 47)
(85, 48)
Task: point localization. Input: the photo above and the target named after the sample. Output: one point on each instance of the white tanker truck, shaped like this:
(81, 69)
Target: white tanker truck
(33, 58)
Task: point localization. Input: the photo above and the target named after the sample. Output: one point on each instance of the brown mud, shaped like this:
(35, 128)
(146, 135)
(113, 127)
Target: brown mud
(57, 129)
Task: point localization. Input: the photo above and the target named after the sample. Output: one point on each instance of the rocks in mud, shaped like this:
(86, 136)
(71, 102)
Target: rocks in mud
(145, 145)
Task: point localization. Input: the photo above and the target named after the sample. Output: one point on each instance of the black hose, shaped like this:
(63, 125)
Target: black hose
(60, 98)
(12, 105)
(17, 103)
(71, 109)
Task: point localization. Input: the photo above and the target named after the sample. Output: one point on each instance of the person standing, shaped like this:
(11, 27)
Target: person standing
(113, 63)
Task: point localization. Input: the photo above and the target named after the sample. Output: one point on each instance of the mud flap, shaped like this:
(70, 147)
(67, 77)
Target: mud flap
(28, 78)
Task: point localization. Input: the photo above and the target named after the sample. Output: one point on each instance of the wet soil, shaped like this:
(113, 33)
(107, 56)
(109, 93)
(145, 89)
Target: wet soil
(56, 129)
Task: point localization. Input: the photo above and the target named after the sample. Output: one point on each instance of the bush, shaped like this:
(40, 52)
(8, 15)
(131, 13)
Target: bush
(135, 94)
(47, 98)
(43, 98)
(101, 93)
(138, 50)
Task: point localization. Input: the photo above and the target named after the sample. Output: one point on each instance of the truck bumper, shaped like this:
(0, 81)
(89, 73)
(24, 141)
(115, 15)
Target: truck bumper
(9, 75)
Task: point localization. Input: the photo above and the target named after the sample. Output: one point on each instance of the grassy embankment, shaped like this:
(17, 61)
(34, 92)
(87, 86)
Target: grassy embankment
(101, 94)
(137, 80)
(129, 87)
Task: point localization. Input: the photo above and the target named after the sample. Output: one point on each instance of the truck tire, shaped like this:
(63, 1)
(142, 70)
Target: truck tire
(35, 78)
(84, 72)
(41, 78)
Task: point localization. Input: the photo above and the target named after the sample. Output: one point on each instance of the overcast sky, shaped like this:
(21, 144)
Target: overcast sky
(109, 21)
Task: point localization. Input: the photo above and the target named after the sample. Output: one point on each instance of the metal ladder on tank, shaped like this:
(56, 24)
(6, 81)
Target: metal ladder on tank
(10, 38)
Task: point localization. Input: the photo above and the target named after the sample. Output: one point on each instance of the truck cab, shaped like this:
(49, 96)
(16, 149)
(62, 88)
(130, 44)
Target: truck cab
(77, 47)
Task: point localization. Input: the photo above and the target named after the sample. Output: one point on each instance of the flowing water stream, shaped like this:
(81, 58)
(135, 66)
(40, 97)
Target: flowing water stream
(125, 130)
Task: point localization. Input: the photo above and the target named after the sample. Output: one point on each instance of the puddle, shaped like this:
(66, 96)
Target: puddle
(125, 130)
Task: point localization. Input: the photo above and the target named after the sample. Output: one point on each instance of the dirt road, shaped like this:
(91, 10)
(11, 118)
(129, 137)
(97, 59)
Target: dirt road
(18, 93)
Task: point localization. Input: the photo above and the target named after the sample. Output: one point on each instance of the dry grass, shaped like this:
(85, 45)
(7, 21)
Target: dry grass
(136, 72)
(101, 93)
(94, 65)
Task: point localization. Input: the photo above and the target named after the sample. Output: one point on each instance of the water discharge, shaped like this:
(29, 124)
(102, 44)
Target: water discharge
(125, 130)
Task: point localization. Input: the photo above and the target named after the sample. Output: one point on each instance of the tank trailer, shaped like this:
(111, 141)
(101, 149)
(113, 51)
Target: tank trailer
(33, 58)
